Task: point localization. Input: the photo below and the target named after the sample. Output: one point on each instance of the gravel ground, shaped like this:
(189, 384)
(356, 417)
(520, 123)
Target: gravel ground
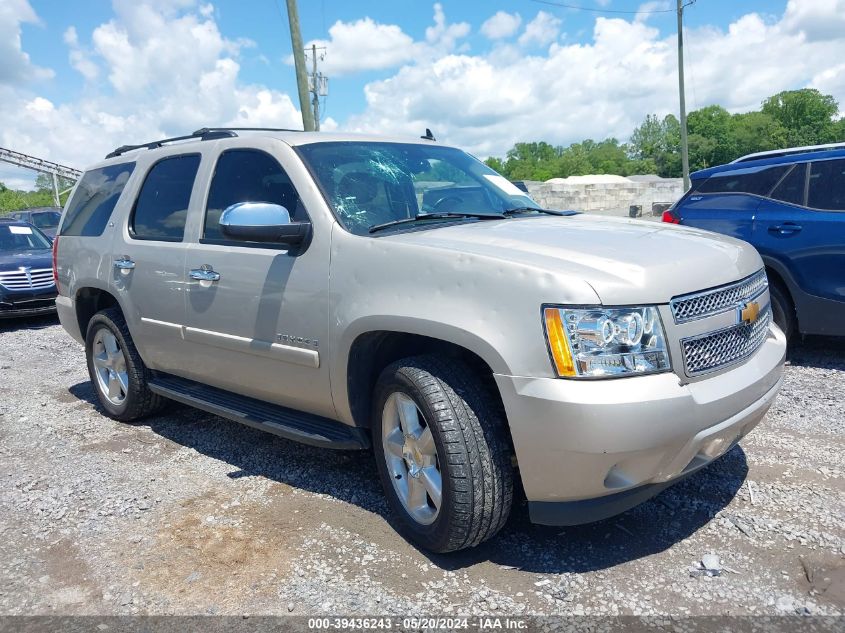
(186, 513)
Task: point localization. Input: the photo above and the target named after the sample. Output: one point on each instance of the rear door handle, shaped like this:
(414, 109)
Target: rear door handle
(787, 228)
(124, 263)
(204, 274)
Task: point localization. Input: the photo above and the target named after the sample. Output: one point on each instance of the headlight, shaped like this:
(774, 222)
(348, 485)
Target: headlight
(605, 342)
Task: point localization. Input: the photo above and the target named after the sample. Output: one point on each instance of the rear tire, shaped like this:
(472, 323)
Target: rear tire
(450, 433)
(783, 311)
(117, 372)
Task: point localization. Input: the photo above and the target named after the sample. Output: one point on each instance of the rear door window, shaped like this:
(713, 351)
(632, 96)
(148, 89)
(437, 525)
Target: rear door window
(791, 188)
(827, 185)
(162, 206)
(92, 203)
(756, 181)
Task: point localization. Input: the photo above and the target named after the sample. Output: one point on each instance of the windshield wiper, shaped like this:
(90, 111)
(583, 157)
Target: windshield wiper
(519, 210)
(436, 216)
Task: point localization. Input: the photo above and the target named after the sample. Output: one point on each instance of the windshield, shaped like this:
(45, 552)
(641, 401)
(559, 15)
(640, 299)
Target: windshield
(368, 184)
(15, 238)
(46, 219)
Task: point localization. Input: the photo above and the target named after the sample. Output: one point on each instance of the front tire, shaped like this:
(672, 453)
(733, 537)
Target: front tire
(117, 372)
(442, 453)
(783, 312)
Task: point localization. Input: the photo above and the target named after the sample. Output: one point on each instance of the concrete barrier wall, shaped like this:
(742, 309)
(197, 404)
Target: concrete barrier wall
(606, 196)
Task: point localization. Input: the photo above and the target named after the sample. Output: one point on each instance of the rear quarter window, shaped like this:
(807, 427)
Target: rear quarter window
(95, 197)
(756, 181)
(827, 185)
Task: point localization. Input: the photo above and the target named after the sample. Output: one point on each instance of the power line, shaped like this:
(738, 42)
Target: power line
(563, 5)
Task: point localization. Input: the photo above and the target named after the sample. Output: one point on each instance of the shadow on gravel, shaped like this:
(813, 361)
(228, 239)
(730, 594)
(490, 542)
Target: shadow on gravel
(28, 323)
(824, 352)
(652, 527)
(351, 476)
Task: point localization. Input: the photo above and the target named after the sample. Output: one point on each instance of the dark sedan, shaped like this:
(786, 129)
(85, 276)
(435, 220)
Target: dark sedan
(46, 219)
(26, 271)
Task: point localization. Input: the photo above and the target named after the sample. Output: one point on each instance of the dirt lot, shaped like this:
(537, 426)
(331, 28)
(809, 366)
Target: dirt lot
(187, 513)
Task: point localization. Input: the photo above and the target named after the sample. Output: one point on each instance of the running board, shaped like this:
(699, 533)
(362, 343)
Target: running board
(288, 423)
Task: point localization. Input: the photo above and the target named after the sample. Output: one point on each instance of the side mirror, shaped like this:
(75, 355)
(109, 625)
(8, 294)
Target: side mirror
(262, 222)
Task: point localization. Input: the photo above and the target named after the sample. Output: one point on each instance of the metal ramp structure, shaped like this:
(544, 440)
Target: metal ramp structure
(40, 165)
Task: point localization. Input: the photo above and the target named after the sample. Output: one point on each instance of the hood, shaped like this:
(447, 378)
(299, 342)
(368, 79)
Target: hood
(625, 261)
(39, 258)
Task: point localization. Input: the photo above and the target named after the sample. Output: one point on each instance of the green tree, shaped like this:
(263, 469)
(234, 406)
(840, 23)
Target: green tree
(757, 132)
(806, 114)
(655, 146)
(714, 124)
(496, 164)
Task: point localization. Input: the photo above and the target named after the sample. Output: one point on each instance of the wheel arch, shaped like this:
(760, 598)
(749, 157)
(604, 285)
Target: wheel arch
(369, 351)
(88, 301)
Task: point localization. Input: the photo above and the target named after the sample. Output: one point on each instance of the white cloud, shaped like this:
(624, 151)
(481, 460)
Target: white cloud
(157, 68)
(647, 9)
(818, 20)
(366, 45)
(502, 24)
(443, 36)
(605, 86)
(540, 31)
(80, 59)
(15, 65)
(363, 45)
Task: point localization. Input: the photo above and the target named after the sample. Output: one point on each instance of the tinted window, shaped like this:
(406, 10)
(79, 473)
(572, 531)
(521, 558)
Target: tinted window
(92, 203)
(46, 219)
(162, 205)
(247, 175)
(827, 185)
(21, 238)
(791, 188)
(755, 181)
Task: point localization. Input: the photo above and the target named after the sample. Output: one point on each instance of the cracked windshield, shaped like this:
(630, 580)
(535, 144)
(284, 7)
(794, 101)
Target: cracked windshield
(371, 184)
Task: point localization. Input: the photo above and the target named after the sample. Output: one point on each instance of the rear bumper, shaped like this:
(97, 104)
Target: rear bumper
(66, 309)
(591, 449)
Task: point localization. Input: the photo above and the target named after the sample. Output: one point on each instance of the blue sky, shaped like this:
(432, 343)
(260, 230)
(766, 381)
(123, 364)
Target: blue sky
(90, 74)
(266, 24)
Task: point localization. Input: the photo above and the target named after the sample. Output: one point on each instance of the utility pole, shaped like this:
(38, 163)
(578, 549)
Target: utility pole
(315, 96)
(318, 84)
(56, 197)
(684, 142)
(299, 63)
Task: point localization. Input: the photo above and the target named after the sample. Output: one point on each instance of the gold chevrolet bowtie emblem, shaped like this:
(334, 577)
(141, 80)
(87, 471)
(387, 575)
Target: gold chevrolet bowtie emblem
(749, 312)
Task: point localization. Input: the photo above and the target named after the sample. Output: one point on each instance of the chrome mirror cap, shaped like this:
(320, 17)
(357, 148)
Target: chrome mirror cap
(254, 214)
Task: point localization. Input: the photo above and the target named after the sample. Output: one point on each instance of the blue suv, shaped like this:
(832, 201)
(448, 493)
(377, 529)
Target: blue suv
(789, 204)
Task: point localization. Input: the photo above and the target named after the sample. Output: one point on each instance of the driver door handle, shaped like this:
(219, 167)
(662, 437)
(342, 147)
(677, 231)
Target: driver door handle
(204, 274)
(787, 228)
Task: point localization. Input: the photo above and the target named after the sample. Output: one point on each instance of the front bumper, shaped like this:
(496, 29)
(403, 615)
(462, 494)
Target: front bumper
(23, 304)
(591, 449)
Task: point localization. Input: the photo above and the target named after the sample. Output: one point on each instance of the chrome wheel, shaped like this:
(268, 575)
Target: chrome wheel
(411, 457)
(110, 367)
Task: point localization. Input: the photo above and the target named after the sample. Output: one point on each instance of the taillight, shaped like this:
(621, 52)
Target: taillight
(55, 263)
(670, 217)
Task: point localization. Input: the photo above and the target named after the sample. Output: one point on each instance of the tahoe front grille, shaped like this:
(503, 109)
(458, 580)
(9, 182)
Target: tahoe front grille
(707, 352)
(709, 302)
(27, 279)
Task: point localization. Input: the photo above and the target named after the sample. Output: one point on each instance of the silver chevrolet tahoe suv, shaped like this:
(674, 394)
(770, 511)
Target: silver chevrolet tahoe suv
(354, 292)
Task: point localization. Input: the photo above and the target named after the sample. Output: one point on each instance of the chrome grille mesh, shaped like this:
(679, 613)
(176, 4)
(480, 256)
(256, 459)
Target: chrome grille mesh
(707, 352)
(709, 302)
(23, 279)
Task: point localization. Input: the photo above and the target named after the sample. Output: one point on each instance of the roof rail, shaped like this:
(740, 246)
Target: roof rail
(204, 134)
(789, 151)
